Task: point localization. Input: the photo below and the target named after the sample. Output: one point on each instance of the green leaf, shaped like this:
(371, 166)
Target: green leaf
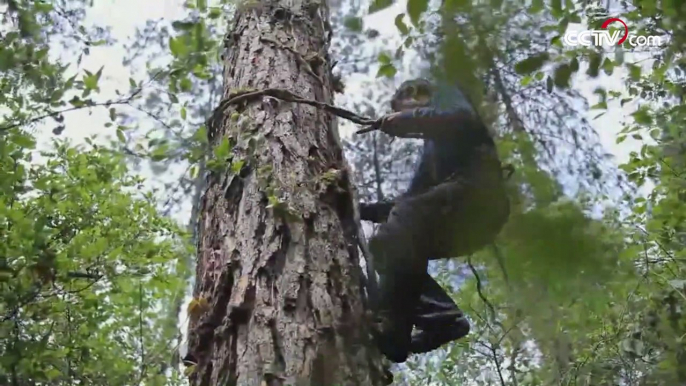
(642, 116)
(24, 141)
(185, 84)
(531, 64)
(599, 106)
(53, 373)
(113, 114)
(43, 7)
(400, 24)
(223, 149)
(595, 59)
(236, 166)
(183, 113)
(132, 83)
(121, 136)
(159, 154)
(184, 26)
(177, 47)
(90, 82)
(378, 5)
(415, 9)
(215, 13)
(536, 6)
(76, 102)
(201, 5)
(387, 70)
(634, 72)
(608, 66)
(562, 76)
(353, 23)
(384, 58)
(574, 64)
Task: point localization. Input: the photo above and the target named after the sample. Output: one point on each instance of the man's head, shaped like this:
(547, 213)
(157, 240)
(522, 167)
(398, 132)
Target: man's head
(412, 94)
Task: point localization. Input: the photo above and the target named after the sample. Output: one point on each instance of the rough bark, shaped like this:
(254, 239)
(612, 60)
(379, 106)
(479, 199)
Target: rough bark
(282, 282)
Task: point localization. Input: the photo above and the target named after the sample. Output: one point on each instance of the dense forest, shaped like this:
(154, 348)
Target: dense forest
(153, 234)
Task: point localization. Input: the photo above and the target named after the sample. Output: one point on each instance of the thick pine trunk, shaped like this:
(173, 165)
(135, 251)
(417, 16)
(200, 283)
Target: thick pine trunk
(285, 305)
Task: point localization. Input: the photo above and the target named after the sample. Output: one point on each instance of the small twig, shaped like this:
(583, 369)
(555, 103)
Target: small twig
(59, 112)
(141, 337)
(498, 366)
(479, 288)
(123, 101)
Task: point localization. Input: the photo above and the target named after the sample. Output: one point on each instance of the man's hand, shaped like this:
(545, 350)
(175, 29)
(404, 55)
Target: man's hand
(386, 122)
(377, 125)
(391, 124)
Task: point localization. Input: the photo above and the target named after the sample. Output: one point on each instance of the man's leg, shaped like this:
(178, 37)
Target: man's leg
(399, 250)
(438, 319)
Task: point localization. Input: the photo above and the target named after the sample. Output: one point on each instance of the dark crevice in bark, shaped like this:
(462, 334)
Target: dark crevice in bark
(232, 192)
(207, 376)
(277, 261)
(280, 365)
(303, 301)
(232, 360)
(242, 313)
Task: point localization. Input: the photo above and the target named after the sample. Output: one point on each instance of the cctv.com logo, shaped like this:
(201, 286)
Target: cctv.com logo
(604, 37)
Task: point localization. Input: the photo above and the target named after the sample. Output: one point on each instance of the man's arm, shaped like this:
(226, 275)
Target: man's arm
(428, 122)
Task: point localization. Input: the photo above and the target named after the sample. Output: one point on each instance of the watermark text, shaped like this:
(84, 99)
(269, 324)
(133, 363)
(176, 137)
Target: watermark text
(605, 37)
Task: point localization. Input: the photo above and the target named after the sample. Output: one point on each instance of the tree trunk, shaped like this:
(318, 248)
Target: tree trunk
(277, 258)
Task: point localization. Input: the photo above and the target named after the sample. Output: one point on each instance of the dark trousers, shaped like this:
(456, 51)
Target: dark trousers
(417, 229)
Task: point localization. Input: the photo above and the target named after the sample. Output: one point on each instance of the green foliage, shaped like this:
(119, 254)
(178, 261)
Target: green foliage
(559, 248)
(354, 23)
(87, 264)
(532, 64)
(386, 69)
(378, 5)
(415, 9)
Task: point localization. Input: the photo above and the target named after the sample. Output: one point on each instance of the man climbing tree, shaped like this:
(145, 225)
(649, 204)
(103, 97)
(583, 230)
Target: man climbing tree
(278, 297)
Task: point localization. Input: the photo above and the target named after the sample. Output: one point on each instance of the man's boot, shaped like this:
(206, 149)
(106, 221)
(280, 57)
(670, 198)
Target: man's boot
(394, 336)
(437, 318)
(424, 341)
